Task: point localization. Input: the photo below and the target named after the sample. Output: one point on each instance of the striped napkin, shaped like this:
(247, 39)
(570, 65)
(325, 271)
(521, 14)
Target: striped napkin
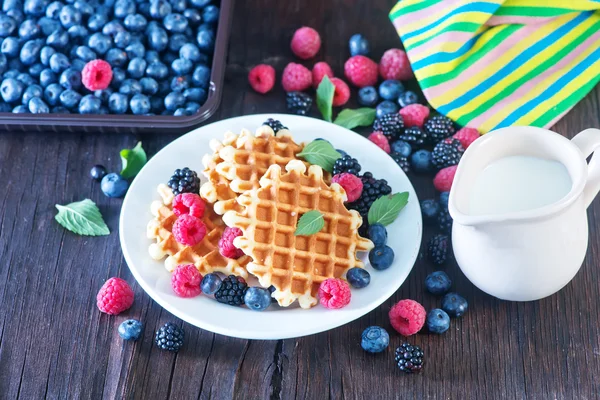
(489, 64)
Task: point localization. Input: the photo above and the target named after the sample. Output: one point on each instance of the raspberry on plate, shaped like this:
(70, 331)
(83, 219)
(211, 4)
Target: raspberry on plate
(226, 246)
(306, 43)
(444, 178)
(394, 64)
(334, 293)
(467, 136)
(351, 184)
(96, 75)
(319, 71)
(342, 92)
(262, 78)
(188, 203)
(407, 317)
(414, 115)
(361, 71)
(114, 297)
(381, 141)
(185, 281)
(189, 230)
(296, 77)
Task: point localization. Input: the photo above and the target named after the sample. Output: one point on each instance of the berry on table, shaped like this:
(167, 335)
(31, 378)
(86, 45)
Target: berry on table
(358, 277)
(130, 329)
(189, 230)
(210, 283)
(414, 115)
(346, 164)
(184, 180)
(361, 71)
(401, 147)
(368, 96)
(394, 64)
(438, 321)
(306, 43)
(374, 339)
(467, 136)
(113, 185)
(351, 184)
(444, 196)
(274, 124)
(381, 257)
(407, 98)
(407, 317)
(444, 178)
(409, 358)
(437, 249)
(391, 89)
(454, 304)
(385, 107)
(261, 78)
(439, 127)
(257, 298)
(226, 246)
(380, 140)
(298, 103)
(446, 153)
(296, 78)
(169, 337)
(114, 297)
(188, 203)
(430, 209)
(232, 291)
(377, 234)
(334, 293)
(185, 281)
(421, 161)
(359, 45)
(401, 161)
(342, 92)
(319, 71)
(414, 136)
(438, 283)
(445, 221)
(97, 172)
(391, 125)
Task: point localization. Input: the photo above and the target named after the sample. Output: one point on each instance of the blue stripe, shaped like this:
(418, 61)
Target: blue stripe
(478, 6)
(515, 63)
(445, 56)
(551, 90)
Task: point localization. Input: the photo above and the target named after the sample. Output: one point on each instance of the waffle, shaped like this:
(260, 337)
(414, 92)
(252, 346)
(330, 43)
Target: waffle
(296, 265)
(205, 255)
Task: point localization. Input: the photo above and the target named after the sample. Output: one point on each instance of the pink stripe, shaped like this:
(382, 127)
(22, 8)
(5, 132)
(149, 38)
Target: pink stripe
(505, 19)
(563, 63)
(410, 18)
(452, 36)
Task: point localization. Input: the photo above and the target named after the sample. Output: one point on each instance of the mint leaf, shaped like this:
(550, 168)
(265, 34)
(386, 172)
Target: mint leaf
(133, 160)
(325, 93)
(310, 223)
(82, 218)
(385, 209)
(321, 153)
(352, 118)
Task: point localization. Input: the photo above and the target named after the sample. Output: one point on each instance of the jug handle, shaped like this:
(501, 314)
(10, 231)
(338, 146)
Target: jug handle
(588, 141)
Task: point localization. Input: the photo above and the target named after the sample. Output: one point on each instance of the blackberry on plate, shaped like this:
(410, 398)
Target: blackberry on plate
(447, 153)
(391, 125)
(346, 164)
(232, 291)
(184, 180)
(409, 358)
(401, 161)
(298, 103)
(438, 249)
(445, 221)
(414, 136)
(439, 127)
(169, 337)
(275, 124)
(372, 190)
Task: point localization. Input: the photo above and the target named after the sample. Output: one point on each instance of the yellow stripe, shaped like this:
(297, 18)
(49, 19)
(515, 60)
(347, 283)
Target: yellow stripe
(573, 5)
(434, 16)
(424, 51)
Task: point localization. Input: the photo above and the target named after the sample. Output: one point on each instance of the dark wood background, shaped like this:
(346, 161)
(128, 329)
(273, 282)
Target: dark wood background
(55, 344)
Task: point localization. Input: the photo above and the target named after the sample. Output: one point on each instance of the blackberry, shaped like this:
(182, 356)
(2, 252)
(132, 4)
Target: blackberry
(415, 136)
(401, 161)
(391, 125)
(169, 337)
(298, 103)
(439, 127)
(445, 221)
(447, 153)
(372, 190)
(275, 124)
(346, 164)
(232, 291)
(438, 249)
(184, 180)
(409, 358)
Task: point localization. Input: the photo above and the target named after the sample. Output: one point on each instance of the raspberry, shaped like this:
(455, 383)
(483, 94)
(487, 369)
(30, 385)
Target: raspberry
(306, 43)
(296, 78)
(351, 184)
(188, 203)
(414, 115)
(467, 136)
(380, 140)
(262, 78)
(189, 230)
(444, 178)
(96, 75)
(361, 71)
(114, 297)
(334, 293)
(342, 92)
(394, 64)
(226, 247)
(320, 70)
(185, 281)
(407, 317)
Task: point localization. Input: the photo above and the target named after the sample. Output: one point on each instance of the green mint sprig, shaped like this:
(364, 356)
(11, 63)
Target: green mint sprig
(321, 153)
(133, 160)
(82, 218)
(310, 223)
(385, 209)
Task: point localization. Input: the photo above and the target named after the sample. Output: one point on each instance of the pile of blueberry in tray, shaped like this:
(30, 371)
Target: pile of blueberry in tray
(157, 56)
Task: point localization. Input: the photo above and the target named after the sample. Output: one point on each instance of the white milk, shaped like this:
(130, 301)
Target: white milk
(518, 183)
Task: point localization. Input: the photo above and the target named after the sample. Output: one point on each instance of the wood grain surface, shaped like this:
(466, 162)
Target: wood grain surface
(55, 344)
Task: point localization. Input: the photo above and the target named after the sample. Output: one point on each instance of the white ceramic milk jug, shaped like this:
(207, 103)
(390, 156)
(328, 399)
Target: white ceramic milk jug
(525, 255)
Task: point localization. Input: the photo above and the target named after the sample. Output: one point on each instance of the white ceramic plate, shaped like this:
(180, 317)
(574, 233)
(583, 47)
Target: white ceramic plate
(404, 236)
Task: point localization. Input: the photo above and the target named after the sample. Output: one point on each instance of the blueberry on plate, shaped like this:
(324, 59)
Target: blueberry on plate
(454, 304)
(130, 329)
(430, 209)
(113, 184)
(390, 89)
(97, 172)
(359, 45)
(374, 339)
(437, 321)
(381, 257)
(368, 96)
(378, 234)
(257, 298)
(210, 283)
(358, 277)
(438, 283)
(386, 107)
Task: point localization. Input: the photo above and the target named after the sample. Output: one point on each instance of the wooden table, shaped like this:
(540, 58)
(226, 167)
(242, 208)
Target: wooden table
(54, 343)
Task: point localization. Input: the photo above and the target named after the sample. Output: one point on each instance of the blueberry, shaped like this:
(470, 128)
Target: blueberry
(52, 94)
(136, 67)
(438, 283)
(149, 86)
(5, 107)
(78, 64)
(37, 106)
(378, 234)
(31, 92)
(430, 210)
(89, 104)
(116, 57)
(59, 110)
(135, 50)
(210, 14)
(421, 161)
(178, 5)
(437, 321)
(7, 25)
(174, 100)
(157, 70)
(97, 22)
(97, 172)
(444, 199)
(407, 98)
(390, 89)
(103, 95)
(59, 62)
(201, 76)
(20, 110)
(193, 16)
(192, 107)
(112, 28)
(156, 104)
(151, 56)
(69, 16)
(455, 305)
(99, 42)
(374, 339)
(358, 277)
(381, 257)
(30, 52)
(113, 184)
(359, 45)
(189, 51)
(47, 77)
(386, 107)
(176, 42)
(200, 3)
(45, 55)
(180, 83)
(70, 98)
(257, 298)
(140, 104)
(118, 77)
(11, 90)
(3, 63)
(35, 7)
(159, 9)
(25, 79)
(401, 147)
(130, 329)
(85, 53)
(47, 25)
(34, 70)
(169, 57)
(123, 8)
(70, 79)
(181, 66)
(53, 9)
(130, 87)
(10, 47)
(122, 40)
(77, 32)
(195, 94)
(84, 7)
(206, 40)
(210, 283)
(144, 10)
(16, 65)
(135, 22)
(175, 22)
(367, 96)
(16, 14)
(118, 103)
